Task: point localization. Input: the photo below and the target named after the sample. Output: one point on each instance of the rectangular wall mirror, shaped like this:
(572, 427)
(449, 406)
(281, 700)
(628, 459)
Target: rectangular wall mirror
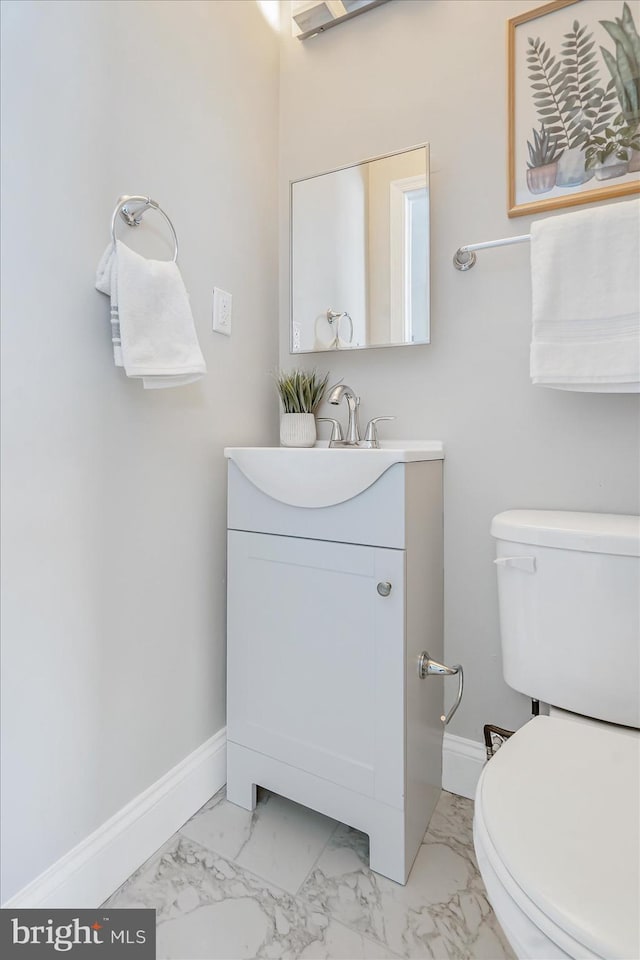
(360, 255)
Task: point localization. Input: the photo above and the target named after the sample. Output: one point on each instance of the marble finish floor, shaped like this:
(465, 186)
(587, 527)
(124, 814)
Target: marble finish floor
(285, 882)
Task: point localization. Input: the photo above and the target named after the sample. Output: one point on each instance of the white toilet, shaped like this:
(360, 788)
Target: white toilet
(557, 811)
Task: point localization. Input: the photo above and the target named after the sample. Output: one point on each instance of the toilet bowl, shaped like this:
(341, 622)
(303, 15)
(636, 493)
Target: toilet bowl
(556, 832)
(557, 811)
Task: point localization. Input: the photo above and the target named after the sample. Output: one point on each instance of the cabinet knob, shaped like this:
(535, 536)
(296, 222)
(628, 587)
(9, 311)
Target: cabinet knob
(384, 588)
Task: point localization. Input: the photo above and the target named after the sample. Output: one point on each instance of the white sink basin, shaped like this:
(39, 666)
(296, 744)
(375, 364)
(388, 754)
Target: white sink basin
(320, 477)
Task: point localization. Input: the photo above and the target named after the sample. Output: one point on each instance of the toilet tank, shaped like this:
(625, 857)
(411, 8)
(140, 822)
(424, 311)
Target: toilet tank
(569, 599)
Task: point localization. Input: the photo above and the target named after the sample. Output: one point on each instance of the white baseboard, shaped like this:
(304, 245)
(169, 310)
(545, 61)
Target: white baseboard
(93, 869)
(462, 763)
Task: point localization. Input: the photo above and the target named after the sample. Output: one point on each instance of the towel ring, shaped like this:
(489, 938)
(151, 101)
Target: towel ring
(335, 316)
(132, 216)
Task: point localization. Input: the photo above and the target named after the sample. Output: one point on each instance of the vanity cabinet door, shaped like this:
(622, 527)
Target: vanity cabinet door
(316, 658)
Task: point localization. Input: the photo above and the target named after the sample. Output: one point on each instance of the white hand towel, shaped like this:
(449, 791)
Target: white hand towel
(152, 329)
(585, 278)
(107, 282)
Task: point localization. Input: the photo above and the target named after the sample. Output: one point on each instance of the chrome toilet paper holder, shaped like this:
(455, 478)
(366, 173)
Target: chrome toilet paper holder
(431, 668)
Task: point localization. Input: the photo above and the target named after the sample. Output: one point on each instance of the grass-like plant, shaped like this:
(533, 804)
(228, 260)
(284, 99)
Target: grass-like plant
(543, 150)
(301, 391)
(624, 67)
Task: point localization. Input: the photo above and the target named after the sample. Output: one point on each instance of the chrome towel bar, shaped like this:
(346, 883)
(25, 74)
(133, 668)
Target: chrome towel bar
(132, 210)
(464, 257)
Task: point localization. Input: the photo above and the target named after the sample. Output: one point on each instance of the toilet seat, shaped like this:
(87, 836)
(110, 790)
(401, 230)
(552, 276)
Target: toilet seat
(556, 830)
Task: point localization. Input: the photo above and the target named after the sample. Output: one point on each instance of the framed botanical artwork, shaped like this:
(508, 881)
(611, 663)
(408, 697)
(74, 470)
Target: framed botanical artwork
(574, 104)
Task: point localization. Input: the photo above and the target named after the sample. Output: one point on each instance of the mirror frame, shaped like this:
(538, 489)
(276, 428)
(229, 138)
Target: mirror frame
(349, 166)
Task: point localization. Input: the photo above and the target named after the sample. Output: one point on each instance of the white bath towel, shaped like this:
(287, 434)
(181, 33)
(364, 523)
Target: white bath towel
(152, 329)
(585, 278)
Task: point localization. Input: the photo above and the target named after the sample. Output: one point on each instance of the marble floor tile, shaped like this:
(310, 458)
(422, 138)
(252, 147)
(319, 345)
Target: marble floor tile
(442, 911)
(452, 820)
(341, 942)
(279, 841)
(213, 888)
(211, 909)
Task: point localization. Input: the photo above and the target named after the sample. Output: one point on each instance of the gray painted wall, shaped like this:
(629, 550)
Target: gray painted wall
(114, 497)
(416, 70)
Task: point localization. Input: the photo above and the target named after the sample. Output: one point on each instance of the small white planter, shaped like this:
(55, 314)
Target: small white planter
(297, 430)
(612, 167)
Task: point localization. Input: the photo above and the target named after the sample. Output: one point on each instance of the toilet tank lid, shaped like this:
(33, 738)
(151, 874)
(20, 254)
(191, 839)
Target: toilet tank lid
(590, 532)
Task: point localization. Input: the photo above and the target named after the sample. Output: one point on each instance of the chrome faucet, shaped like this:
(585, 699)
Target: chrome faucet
(338, 393)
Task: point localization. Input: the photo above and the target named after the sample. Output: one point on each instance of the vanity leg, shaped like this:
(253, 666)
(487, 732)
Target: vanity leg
(242, 794)
(240, 788)
(387, 854)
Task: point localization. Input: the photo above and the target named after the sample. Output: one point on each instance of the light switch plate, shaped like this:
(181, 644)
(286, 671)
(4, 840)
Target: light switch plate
(222, 311)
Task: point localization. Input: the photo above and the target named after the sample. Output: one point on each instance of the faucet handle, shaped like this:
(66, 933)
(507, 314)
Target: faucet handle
(371, 435)
(336, 429)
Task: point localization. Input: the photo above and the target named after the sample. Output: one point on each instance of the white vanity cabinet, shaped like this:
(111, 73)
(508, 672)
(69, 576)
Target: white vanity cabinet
(329, 609)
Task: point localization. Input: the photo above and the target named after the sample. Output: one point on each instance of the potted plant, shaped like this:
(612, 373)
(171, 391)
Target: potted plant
(610, 153)
(569, 99)
(301, 393)
(544, 154)
(624, 68)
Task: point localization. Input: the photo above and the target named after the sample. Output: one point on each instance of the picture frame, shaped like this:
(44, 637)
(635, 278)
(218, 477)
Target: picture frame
(573, 104)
